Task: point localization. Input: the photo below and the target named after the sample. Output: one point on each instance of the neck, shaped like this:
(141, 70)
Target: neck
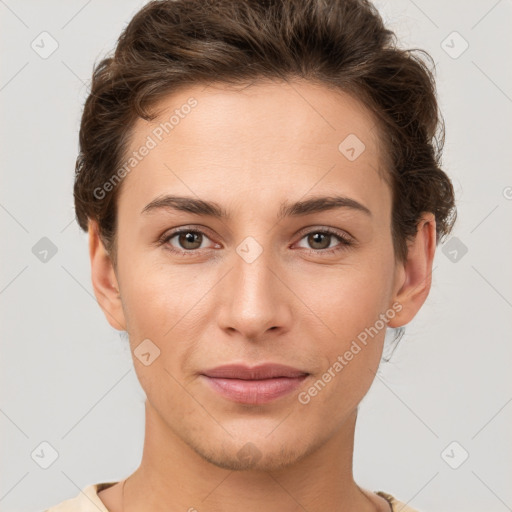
(173, 476)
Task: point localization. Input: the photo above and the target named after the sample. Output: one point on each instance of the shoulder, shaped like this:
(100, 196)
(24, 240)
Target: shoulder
(396, 505)
(87, 500)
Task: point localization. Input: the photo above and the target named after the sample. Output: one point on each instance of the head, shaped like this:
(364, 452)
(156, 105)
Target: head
(297, 149)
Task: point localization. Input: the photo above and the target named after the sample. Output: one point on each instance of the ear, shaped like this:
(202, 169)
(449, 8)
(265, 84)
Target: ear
(104, 280)
(414, 276)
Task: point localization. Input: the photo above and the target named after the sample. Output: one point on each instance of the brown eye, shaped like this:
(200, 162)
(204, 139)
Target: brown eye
(185, 241)
(190, 240)
(318, 240)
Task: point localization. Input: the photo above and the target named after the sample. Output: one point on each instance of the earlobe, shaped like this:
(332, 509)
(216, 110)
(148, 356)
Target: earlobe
(414, 277)
(104, 280)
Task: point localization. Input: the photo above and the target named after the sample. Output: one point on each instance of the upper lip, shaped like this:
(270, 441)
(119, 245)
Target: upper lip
(262, 371)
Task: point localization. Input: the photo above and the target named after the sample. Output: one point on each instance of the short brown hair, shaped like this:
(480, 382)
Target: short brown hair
(343, 44)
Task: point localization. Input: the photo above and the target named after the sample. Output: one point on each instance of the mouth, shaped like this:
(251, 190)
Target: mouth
(254, 385)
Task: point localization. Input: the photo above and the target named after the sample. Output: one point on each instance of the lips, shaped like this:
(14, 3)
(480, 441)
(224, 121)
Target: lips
(263, 371)
(254, 385)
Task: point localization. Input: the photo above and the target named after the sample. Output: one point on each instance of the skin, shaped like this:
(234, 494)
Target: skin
(249, 150)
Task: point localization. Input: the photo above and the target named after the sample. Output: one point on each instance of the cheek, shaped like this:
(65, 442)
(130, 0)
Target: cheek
(351, 350)
(350, 303)
(348, 299)
(167, 305)
(153, 293)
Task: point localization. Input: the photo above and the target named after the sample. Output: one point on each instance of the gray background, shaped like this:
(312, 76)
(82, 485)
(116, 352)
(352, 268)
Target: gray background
(67, 377)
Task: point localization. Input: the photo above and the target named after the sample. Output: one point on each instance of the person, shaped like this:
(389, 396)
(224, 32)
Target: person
(263, 194)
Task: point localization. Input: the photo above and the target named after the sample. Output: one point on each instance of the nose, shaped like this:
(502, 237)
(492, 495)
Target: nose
(256, 299)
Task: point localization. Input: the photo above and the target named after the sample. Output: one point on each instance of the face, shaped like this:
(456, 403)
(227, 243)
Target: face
(307, 286)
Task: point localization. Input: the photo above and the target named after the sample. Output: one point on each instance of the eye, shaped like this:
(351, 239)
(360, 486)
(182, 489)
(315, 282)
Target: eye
(187, 242)
(320, 241)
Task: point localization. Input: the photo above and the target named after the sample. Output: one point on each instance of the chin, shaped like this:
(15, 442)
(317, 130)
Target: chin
(257, 455)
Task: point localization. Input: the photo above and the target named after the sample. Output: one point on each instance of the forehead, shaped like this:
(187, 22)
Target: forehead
(300, 112)
(284, 136)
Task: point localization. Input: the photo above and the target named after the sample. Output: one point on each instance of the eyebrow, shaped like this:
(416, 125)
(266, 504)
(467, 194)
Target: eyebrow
(212, 209)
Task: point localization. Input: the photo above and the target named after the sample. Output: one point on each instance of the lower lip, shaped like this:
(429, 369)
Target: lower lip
(254, 391)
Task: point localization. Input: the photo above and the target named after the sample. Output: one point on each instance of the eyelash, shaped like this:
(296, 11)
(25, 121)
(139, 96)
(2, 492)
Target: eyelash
(345, 241)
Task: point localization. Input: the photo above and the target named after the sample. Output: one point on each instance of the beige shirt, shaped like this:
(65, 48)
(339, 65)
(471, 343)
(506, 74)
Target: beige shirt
(89, 501)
